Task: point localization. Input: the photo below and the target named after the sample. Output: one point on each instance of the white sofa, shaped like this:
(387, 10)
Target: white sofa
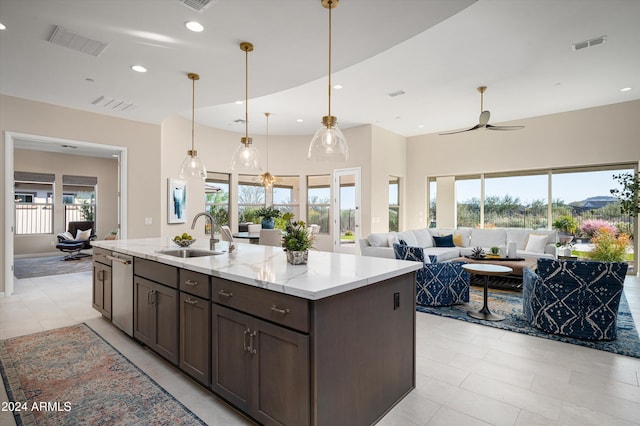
(529, 242)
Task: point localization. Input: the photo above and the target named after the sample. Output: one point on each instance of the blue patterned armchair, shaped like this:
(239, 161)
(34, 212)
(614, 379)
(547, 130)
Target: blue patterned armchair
(574, 298)
(437, 284)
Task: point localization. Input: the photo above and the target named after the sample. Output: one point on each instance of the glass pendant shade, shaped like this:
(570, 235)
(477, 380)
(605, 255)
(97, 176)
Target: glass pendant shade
(193, 167)
(328, 144)
(246, 158)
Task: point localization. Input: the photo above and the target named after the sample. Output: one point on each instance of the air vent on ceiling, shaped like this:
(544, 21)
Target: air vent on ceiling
(197, 5)
(115, 104)
(396, 93)
(589, 43)
(65, 38)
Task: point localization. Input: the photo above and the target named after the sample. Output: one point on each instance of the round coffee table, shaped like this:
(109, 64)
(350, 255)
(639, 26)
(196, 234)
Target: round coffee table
(486, 269)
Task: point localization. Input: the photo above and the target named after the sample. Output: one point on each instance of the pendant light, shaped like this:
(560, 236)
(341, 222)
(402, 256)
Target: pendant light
(246, 158)
(329, 144)
(267, 179)
(192, 166)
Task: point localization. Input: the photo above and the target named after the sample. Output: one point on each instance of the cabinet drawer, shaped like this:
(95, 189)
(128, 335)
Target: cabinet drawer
(195, 283)
(279, 308)
(100, 255)
(155, 271)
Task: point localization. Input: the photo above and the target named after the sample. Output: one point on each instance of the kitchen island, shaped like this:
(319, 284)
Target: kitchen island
(327, 343)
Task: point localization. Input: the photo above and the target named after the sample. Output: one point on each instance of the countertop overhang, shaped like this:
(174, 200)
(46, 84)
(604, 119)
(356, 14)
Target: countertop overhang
(326, 274)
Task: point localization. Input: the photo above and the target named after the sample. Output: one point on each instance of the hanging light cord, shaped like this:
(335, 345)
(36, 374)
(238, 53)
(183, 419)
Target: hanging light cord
(193, 103)
(246, 94)
(330, 7)
(267, 115)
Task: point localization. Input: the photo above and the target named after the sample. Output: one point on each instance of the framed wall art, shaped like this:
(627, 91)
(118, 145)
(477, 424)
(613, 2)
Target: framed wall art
(177, 200)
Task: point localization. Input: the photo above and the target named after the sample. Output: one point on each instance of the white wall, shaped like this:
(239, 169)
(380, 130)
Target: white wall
(141, 140)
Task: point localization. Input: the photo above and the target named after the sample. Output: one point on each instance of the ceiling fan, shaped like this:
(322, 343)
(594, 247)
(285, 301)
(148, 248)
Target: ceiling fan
(483, 121)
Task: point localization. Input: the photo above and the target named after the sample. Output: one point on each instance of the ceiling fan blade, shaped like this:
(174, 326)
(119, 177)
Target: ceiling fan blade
(490, 127)
(484, 118)
(476, 127)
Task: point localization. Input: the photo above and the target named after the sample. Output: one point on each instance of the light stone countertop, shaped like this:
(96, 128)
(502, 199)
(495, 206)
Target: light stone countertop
(325, 274)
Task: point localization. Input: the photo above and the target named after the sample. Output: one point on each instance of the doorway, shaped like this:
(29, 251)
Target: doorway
(47, 144)
(346, 210)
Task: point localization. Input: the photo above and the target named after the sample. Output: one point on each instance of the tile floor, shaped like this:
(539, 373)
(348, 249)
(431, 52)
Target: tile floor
(467, 374)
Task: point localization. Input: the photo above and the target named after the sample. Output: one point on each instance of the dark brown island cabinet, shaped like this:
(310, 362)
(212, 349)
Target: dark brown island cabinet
(345, 359)
(102, 282)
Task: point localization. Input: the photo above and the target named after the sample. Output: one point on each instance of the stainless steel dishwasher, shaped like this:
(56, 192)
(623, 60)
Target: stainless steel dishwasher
(122, 291)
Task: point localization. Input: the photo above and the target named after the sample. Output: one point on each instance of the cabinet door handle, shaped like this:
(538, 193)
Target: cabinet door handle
(224, 293)
(252, 349)
(101, 275)
(244, 340)
(191, 283)
(149, 302)
(284, 311)
(191, 302)
(154, 297)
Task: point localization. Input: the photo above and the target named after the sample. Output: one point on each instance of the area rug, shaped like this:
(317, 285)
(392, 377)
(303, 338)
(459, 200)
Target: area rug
(509, 305)
(72, 376)
(51, 265)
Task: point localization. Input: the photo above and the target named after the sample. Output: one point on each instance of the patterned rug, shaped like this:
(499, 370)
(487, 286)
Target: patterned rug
(72, 376)
(509, 305)
(51, 265)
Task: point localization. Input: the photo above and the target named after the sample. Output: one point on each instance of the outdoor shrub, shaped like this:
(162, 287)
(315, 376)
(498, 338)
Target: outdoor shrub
(608, 247)
(591, 226)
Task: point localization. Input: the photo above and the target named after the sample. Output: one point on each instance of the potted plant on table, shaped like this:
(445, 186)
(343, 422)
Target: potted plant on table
(567, 226)
(268, 215)
(297, 240)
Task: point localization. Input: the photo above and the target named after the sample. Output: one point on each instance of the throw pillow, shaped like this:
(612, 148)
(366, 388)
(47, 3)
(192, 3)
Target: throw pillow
(66, 235)
(446, 241)
(83, 235)
(536, 243)
(457, 240)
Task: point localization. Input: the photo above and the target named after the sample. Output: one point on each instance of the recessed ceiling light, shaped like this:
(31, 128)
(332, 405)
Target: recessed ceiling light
(115, 155)
(194, 26)
(420, 126)
(338, 86)
(299, 120)
(239, 102)
(625, 89)
(2, 26)
(138, 68)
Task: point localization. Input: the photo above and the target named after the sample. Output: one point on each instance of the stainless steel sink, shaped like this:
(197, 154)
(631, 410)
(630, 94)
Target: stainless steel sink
(185, 252)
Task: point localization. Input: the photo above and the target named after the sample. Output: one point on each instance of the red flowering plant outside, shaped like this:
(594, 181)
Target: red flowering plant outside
(590, 227)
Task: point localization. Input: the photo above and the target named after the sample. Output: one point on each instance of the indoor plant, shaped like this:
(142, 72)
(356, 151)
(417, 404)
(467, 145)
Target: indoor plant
(297, 240)
(268, 215)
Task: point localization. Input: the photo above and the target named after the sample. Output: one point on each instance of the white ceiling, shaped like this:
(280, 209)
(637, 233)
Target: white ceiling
(436, 51)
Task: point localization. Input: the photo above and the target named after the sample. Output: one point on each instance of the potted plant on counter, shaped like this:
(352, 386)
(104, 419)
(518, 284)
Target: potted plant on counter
(268, 215)
(297, 240)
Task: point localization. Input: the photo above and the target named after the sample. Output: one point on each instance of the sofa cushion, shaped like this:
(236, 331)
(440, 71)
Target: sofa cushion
(536, 243)
(488, 237)
(446, 241)
(379, 240)
(409, 237)
(423, 237)
(518, 236)
(443, 254)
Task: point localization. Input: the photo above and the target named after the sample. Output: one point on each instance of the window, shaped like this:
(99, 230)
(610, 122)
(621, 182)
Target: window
(285, 195)
(431, 208)
(216, 199)
(33, 203)
(319, 201)
(468, 201)
(251, 196)
(79, 198)
(516, 201)
(394, 203)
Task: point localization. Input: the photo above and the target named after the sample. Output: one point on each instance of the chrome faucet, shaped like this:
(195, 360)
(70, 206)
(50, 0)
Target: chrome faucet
(212, 240)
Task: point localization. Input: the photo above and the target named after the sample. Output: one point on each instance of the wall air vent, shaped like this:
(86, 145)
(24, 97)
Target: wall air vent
(589, 43)
(114, 104)
(65, 38)
(396, 93)
(197, 5)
